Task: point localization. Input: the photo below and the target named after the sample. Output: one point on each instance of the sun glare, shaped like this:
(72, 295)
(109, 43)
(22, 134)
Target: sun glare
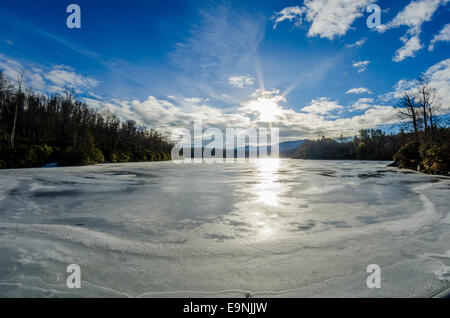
(269, 188)
(267, 108)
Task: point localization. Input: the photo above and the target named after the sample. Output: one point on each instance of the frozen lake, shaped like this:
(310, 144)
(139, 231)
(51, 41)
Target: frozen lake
(287, 228)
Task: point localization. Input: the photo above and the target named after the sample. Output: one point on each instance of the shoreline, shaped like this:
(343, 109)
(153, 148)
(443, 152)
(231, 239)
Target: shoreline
(391, 165)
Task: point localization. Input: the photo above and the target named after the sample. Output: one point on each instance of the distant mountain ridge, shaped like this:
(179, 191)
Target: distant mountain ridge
(286, 149)
(290, 145)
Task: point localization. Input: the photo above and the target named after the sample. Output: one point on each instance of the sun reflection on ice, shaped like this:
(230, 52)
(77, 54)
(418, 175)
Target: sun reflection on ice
(267, 192)
(268, 189)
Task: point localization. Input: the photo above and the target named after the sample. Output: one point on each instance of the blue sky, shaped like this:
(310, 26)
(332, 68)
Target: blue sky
(319, 71)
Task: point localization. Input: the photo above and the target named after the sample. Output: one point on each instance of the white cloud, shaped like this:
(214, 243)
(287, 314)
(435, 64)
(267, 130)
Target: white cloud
(361, 66)
(195, 100)
(10, 68)
(293, 14)
(62, 77)
(166, 116)
(443, 36)
(52, 81)
(438, 76)
(333, 18)
(92, 102)
(321, 106)
(412, 45)
(318, 118)
(264, 105)
(413, 16)
(327, 18)
(357, 43)
(363, 103)
(92, 94)
(311, 125)
(241, 81)
(36, 81)
(359, 90)
(401, 87)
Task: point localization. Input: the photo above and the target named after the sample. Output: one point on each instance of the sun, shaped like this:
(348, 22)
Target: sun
(267, 109)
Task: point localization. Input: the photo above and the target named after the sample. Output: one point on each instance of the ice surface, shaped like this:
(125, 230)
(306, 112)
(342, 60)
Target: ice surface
(285, 228)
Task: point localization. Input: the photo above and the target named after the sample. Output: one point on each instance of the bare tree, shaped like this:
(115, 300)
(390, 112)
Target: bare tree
(19, 92)
(408, 109)
(426, 97)
(419, 107)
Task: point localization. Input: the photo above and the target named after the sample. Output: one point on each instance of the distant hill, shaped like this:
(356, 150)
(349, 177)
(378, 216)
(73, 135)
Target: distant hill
(286, 149)
(289, 148)
(290, 145)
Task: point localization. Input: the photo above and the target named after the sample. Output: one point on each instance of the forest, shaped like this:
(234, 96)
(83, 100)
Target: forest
(38, 130)
(370, 144)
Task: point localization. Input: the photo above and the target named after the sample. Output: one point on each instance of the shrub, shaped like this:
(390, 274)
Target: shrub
(436, 159)
(112, 157)
(123, 157)
(97, 156)
(408, 156)
(24, 156)
(38, 155)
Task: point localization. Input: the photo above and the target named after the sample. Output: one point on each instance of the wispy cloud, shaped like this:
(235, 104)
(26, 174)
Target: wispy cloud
(442, 36)
(438, 76)
(328, 19)
(222, 40)
(9, 42)
(414, 15)
(321, 106)
(357, 43)
(34, 29)
(363, 104)
(196, 100)
(359, 90)
(54, 79)
(292, 14)
(241, 81)
(63, 76)
(361, 66)
(409, 49)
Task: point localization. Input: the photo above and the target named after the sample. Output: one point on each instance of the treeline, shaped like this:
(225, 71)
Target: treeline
(36, 130)
(371, 144)
(423, 143)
